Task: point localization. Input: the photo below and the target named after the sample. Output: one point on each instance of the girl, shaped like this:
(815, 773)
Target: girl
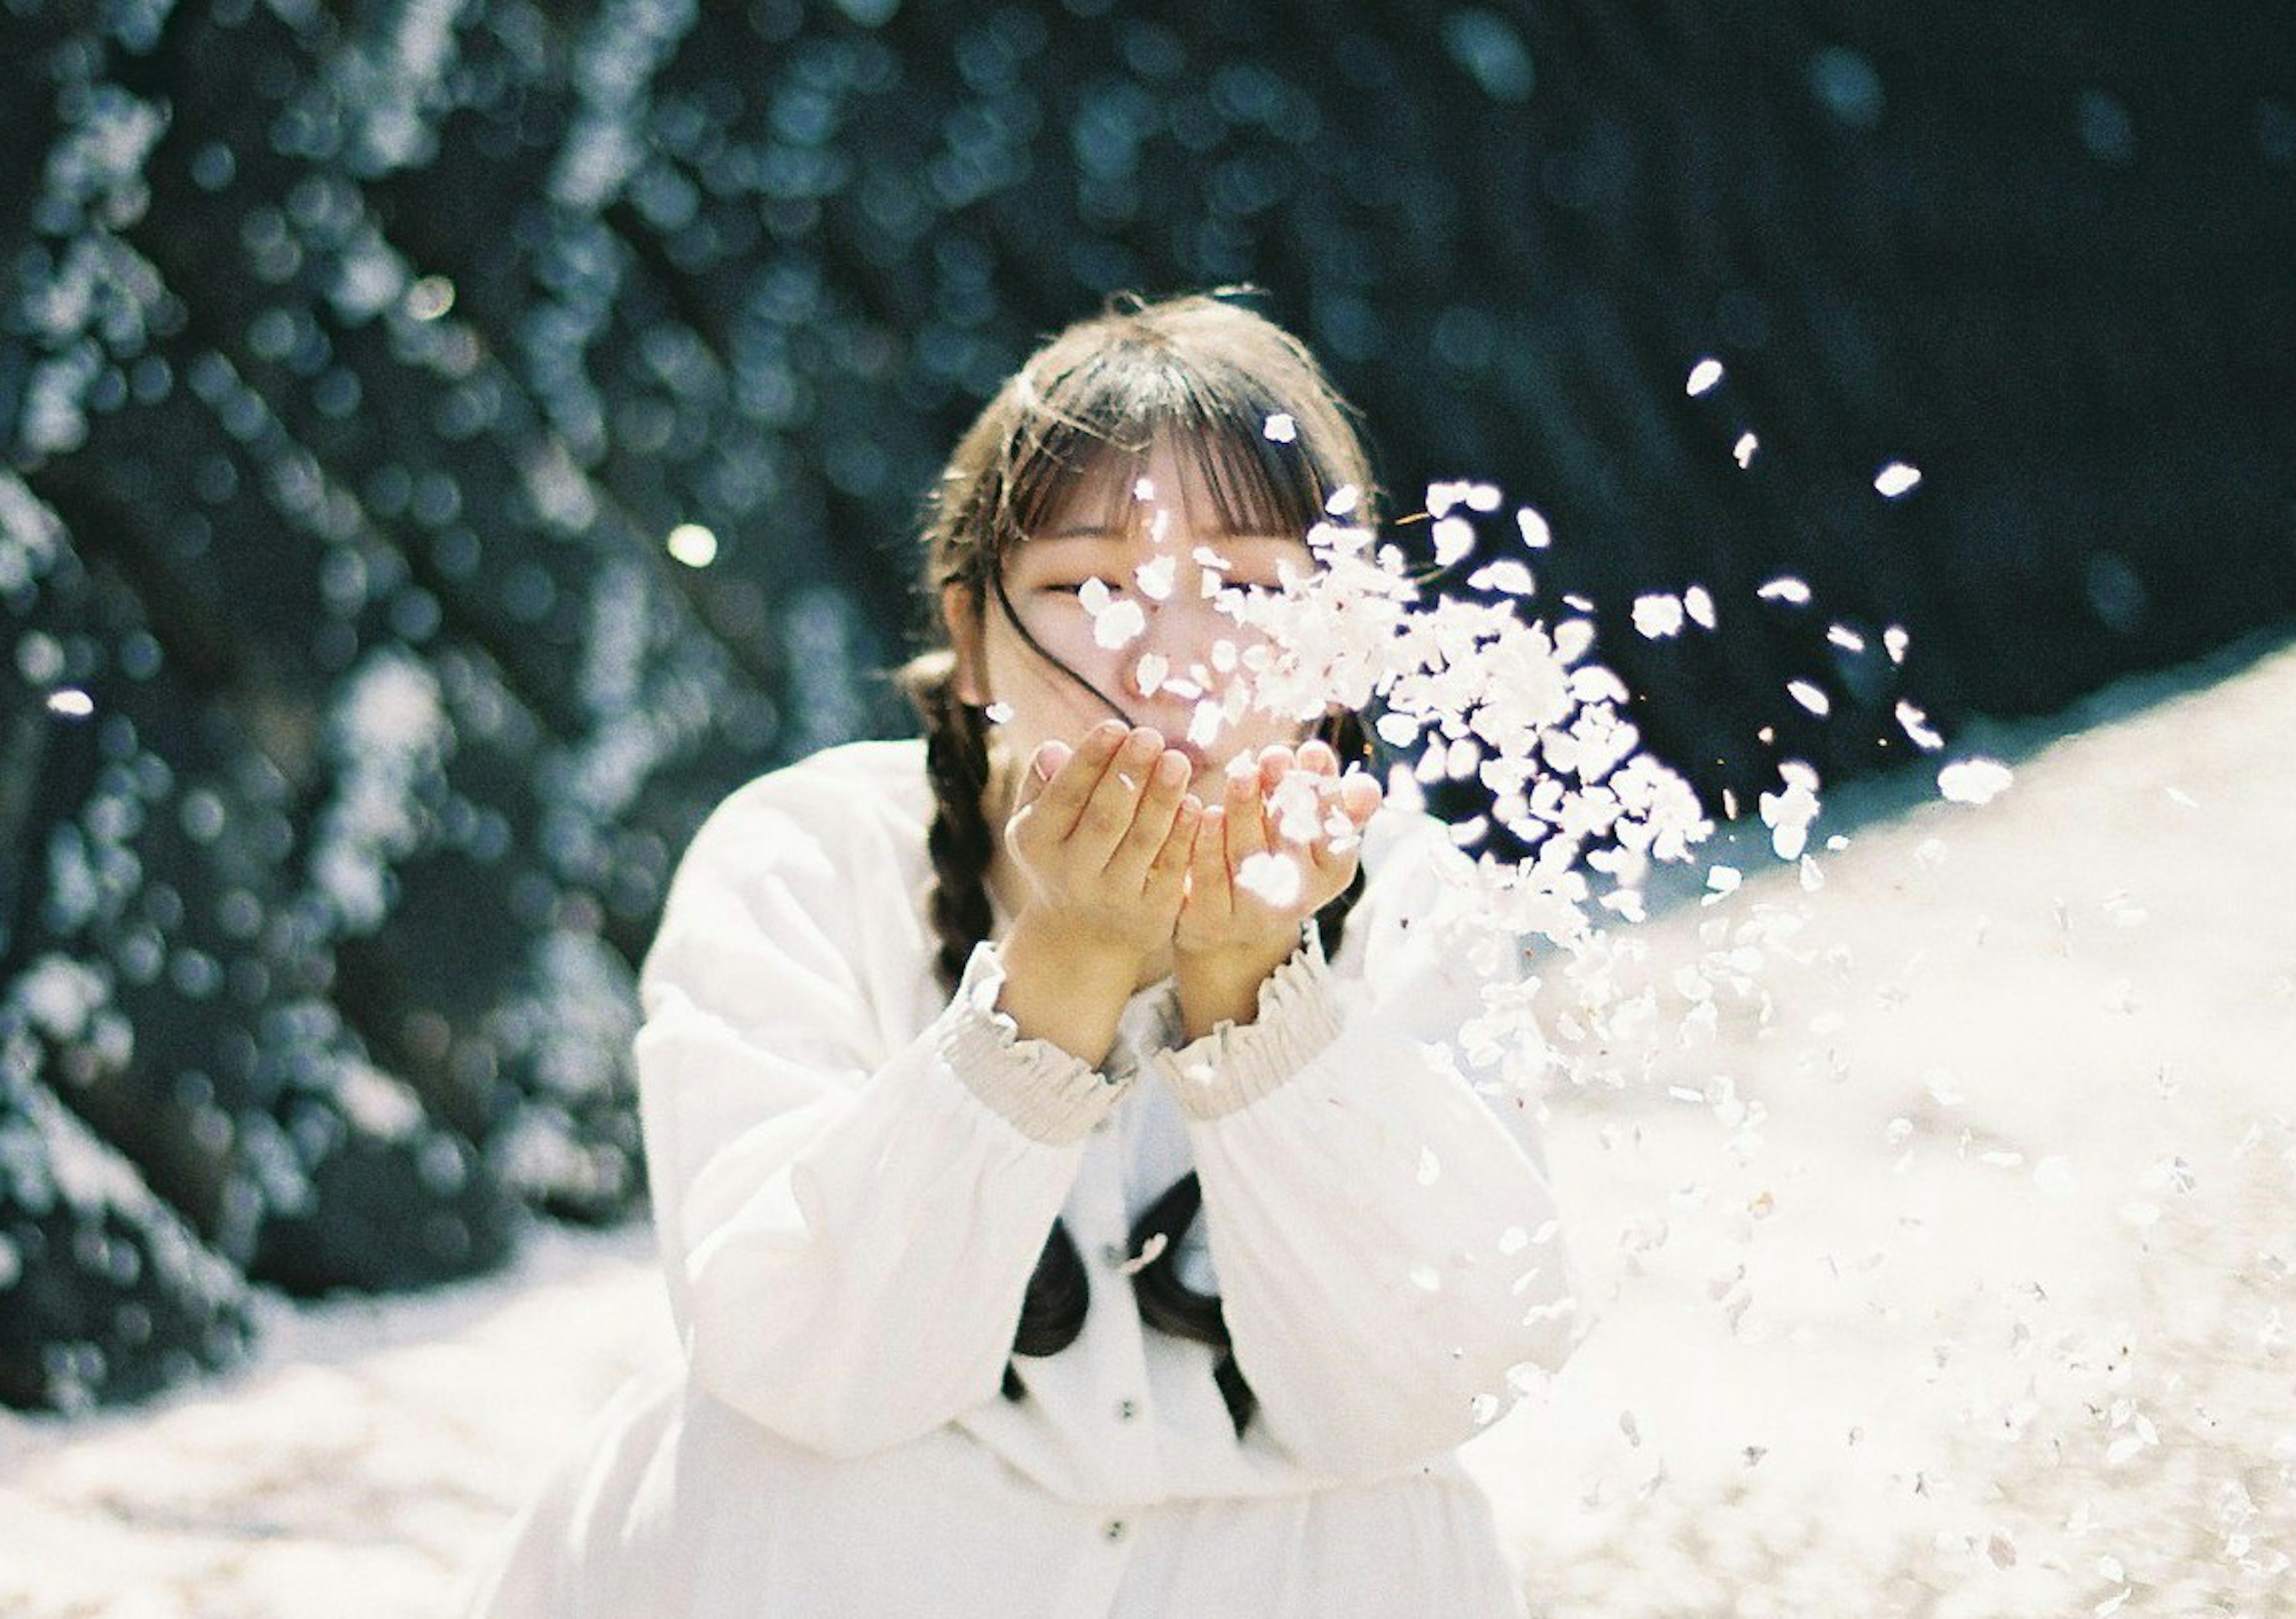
(1070, 1202)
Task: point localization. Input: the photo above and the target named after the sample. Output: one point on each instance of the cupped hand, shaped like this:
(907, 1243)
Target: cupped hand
(1279, 847)
(1101, 836)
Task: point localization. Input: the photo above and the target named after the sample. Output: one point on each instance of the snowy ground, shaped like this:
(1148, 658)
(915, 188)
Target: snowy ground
(1953, 1272)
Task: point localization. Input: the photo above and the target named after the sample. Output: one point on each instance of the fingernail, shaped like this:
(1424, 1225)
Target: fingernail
(1051, 754)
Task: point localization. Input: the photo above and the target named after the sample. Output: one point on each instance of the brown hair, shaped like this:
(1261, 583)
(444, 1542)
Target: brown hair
(1208, 376)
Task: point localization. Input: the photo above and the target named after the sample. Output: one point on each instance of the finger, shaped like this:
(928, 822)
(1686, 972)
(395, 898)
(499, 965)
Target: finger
(1332, 849)
(1246, 819)
(1360, 795)
(1314, 833)
(1275, 765)
(1051, 754)
(1209, 893)
(1151, 819)
(1107, 814)
(1169, 870)
(1315, 756)
(1064, 797)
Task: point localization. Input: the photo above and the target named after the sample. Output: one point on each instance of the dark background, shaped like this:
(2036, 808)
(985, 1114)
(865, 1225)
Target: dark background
(356, 360)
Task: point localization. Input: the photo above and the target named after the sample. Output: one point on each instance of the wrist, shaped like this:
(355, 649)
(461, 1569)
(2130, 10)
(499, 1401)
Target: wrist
(1065, 988)
(1222, 986)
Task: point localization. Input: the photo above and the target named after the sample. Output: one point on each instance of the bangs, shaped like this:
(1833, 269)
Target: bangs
(1086, 435)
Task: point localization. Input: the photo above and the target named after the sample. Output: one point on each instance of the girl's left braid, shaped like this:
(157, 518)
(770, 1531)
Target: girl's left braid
(962, 843)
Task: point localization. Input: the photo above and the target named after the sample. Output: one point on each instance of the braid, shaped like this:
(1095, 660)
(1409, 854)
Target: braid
(1171, 1305)
(961, 843)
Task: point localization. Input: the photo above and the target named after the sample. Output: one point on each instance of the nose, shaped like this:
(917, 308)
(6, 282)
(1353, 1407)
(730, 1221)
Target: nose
(1178, 643)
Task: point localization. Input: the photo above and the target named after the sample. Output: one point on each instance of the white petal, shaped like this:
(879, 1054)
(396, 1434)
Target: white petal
(1155, 577)
(1974, 781)
(1510, 578)
(1275, 878)
(1120, 624)
(1916, 724)
(1895, 479)
(1658, 616)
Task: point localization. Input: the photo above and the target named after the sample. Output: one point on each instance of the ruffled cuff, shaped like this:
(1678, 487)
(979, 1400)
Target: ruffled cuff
(1236, 1063)
(1046, 1093)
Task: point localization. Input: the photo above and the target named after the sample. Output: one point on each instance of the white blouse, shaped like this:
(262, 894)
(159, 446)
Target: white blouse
(853, 1176)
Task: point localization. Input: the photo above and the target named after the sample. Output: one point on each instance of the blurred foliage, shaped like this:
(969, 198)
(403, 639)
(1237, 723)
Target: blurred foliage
(357, 360)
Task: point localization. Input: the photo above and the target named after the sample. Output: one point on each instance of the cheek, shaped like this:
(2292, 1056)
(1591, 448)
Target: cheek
(1067, 633)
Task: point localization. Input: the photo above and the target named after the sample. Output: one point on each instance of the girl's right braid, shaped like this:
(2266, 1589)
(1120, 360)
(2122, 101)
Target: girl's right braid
(961, 843)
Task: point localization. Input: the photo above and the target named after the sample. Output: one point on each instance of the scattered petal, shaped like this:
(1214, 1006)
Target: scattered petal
(1455, 537)
(1121, 623)
(1974, 781)
(1156, 1243)
(1659, 616)
(1916, 724)
(1896, 478)
(1509, 577)
(1272, 877)
(1703, 376)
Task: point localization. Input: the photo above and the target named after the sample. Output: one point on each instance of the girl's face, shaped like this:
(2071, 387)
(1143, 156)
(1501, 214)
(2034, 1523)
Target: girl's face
(1156, 642)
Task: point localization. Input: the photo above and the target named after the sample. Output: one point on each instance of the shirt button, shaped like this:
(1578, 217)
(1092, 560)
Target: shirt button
(1113, 1530)
(1111, 1255)
(1126, 1411)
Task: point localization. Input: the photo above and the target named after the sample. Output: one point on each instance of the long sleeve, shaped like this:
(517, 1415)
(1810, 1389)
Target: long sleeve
(849, 1218)
(1386, 1246)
